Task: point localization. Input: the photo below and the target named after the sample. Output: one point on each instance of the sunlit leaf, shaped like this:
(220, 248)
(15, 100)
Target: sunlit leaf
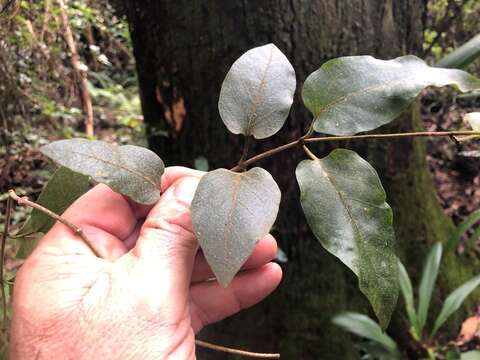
(257, 92)
(470, 153)
(463, 56)
(454, 301)
(131, 170)
(352, 94)
(230, 213)
(365, 327)
(473, 119)
(427, 284)
(63, 188)
(344, 203)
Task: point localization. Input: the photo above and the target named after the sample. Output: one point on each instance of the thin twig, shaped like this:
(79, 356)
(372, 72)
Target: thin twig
(266, 154)
(46, 17)
(79, 73)
(246, 147)
(75, 229)
(235, 351)
(310, 154)
(306, 139)
(393, 136)
(2, 260)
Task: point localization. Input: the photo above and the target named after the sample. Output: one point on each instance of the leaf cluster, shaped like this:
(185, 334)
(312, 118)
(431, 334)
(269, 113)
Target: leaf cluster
(341, 194)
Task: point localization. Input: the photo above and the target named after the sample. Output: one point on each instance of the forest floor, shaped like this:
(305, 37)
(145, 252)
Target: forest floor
(455, 166)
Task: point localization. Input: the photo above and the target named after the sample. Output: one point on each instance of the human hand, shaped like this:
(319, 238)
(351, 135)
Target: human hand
(146, 299)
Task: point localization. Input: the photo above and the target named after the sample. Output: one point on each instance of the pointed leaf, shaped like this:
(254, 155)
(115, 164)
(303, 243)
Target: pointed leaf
(427, 283)
(230, 213)
(454, 301)
(352, 94)
(64, 187)
(130, 170)
(365, 327)
(257, 92)
(344, 204)
(466, 224)
(407, 292)
(463, 56)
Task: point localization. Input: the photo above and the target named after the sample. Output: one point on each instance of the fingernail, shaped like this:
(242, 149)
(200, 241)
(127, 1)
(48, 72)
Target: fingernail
(185, 189)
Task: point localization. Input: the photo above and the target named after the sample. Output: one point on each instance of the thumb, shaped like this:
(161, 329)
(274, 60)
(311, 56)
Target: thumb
(166, 242)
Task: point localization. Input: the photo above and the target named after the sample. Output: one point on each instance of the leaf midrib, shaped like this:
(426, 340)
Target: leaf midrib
(353, 94)
(251, 118)
(229, 228)
(139, 174)
(344, 203)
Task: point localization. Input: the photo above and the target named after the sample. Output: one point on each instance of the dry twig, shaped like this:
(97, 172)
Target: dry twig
(79, 73)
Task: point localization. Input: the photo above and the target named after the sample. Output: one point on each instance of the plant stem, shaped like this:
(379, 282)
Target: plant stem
(393, 136)
(307, 139)
(265, 155)
(80, 75)
(246, 147)
(310, 154)
(235, 351)
(75, 229)
(2, 260)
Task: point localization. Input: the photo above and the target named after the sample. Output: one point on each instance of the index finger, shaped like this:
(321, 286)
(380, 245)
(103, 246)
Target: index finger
(106, 217)
(173, 173)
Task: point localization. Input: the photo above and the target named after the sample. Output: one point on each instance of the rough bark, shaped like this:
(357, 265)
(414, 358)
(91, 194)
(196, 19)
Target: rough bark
(183, 50)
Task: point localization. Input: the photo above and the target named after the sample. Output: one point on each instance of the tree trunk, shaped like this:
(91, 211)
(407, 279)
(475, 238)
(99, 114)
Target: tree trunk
(184, 50)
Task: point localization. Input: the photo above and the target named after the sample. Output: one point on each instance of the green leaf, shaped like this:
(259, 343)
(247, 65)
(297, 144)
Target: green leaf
(257, 92)
(407, 292)
(374, 351)
(230, 213)
(130, 170)
(27, 244)
(344, 203)
(466, 224)
(452, 354)
(365, 327)
(352, 94)
(63, 188)
(454, 301)
(463, 56)
(427, 283)
(470, 355)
